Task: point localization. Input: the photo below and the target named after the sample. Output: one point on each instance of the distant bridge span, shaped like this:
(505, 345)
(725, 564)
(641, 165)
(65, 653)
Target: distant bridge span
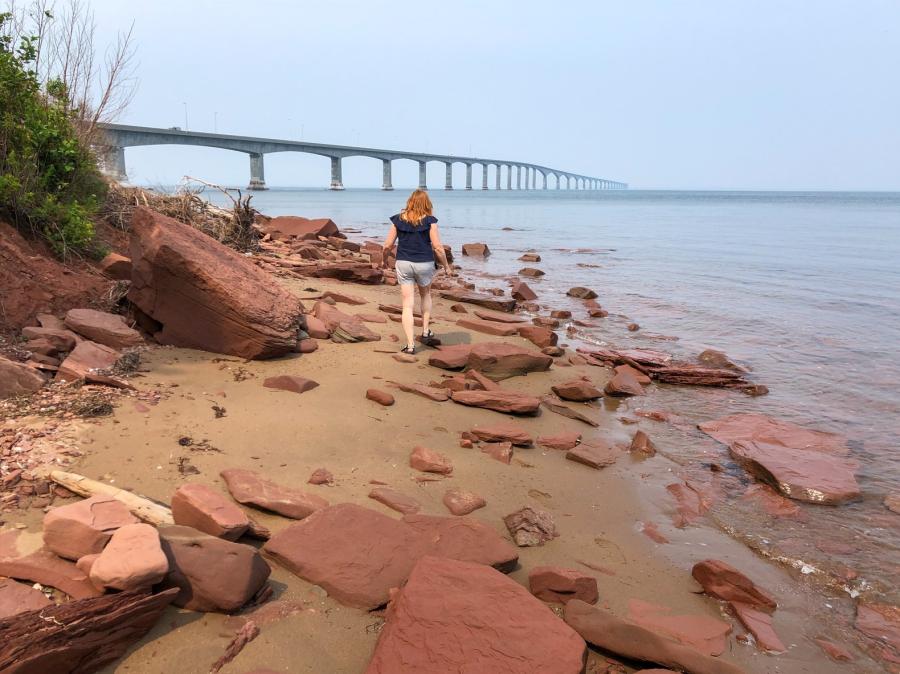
(120, 136)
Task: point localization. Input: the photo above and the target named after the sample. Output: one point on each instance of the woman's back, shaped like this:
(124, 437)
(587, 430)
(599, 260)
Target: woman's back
(414, 241)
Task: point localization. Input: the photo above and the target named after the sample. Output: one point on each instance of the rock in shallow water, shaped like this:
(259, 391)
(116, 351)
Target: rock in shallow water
(723, 581)
(472, 618)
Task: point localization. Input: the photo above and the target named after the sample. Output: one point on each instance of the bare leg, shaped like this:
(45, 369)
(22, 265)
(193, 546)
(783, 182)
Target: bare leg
(407, 293)
(425, 295)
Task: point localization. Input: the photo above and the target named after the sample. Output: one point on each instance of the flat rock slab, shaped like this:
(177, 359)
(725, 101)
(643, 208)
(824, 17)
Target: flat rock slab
(358, 554)
(486, 301)
(292, 383)
(250, 488)
(487, 327)
(499, 318)
(46, 568)
(473, 619)
(18, 597)
(595, 454)
(801, 474)
(605, 631)
(564, 410)
(102, 327)
(18, 379)
(84, 527)
(558, 585)
(395, 500)
(79, 636)
(507, 402)
(499, 360)
(206, 296)
(541, 337)
(503, 432)
(84, 361)
(759, 624)
(760, 428)
(211, 574)
(562, 441)
(438, 395)
(880, 622)
(723, 581)
(705, 634)
(209, 511)
(453, 357)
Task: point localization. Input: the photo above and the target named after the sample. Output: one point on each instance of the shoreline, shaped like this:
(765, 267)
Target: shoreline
(611, 515)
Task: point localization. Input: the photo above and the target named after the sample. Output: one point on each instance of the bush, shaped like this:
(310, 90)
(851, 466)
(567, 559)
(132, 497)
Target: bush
(49, 182)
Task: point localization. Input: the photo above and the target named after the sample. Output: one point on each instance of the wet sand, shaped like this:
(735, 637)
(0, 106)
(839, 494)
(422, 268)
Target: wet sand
(286, 436)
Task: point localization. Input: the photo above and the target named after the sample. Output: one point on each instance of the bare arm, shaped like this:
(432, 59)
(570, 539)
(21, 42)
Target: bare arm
(439, 248)
(391, 238)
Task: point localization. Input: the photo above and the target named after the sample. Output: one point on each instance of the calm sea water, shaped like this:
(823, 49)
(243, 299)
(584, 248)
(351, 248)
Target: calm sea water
(802, 287)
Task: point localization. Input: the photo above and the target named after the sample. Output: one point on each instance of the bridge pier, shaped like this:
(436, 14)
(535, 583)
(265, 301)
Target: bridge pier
(508, 177)
(257, 172)
(484, 176)
(497, 177)
(423, 180)
(518, 177)
(448, 181)
(544, 176)
(337, 179)
(386, 175)
(468, 176)
(113, 162)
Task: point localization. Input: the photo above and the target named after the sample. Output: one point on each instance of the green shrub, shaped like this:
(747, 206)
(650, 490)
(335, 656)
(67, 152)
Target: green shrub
(49, 181)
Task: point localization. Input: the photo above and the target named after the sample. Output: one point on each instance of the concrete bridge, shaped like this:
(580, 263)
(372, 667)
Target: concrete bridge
(120, 136)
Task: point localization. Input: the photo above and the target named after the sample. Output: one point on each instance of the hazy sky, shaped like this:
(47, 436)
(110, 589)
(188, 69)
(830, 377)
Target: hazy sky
(719, 94)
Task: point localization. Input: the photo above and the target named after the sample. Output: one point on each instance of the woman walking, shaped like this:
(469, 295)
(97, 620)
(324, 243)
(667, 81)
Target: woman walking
(418, 242)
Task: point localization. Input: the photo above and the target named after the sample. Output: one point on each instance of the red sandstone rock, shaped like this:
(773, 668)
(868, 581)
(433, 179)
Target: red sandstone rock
(18, 598)
(249, 488)
(18, 379)
(429, 461)
(442, 605)
(813, 477)
(207, 510)
(834, 651)
(321, 476)
(722, 581)
(770, 501)
(545, 322)
(892, 503)
(555, 351)
(530, 272)
(465, 539)
(751, 427)
(44, 567)
(706, 635)
(288, 382)
(641, 378)
(438, 395)
(307, 346)
(476, 249)
(502, 361)
(486, 301)
(451, 357)
(498, 317)
(500, 451)
(719, 360)
(561, 441)
(507, 402)
(372, 318)
(596, 454)
(623, 384)
(405, 358)
(581, 293)
(503, 432)
(132, 560)
(353, 331)
(487, 327)
(204, 295)
(286, 227)
(316, 327)
(625, 639)
(211, 574)
(759, 624)
(561, 313)
(577, 390)
(878, 621)
(530, 257)
(461, 502)
(116, 267)
(465, 443)
(85, 360)
(540, 337)
(395, 500)
(380, 397)
(558, 585)
(62, 339)
(458, 309)
(642, 444)
(530, 527)
(480, 382)
(103, 328)
(690, 503)
(522, 292)
(555, 406)
(651, 531)
(345, 298)
(83, 528)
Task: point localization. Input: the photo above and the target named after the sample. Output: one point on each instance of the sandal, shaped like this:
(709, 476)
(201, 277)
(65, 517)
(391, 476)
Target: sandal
(411, 350)
(428, 335)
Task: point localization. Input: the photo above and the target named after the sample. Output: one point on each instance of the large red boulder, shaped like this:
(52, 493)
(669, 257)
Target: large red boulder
(209, 511)
(85, 361)
(577, 390)
(104, 328)
(204, 295)
(132, 560)
(539, 336)
(85, 527)
(116, 267)
(285, 227)
(211, 574)
(623, 384)
(358, 554)
(499, 360)
(18, 379)
(752, 427)
(449, 357)
(250, 488)
(472, 619)
(476, 249)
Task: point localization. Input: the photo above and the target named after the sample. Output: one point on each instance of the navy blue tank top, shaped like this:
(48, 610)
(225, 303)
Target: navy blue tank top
(414, 243)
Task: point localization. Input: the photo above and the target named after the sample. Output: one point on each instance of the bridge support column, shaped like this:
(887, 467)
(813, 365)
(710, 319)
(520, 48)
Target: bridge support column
(544, 176)
(448, 181)
(508, 177)
(257, 172)
(484, 176)
(423, 180)
(113, 162)
(386, 175)
(518, 177)
(497, 177)
(468, 176)
(337, 178)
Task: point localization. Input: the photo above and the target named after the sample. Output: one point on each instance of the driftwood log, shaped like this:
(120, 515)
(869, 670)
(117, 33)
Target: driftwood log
(80, 636)
(141, 507)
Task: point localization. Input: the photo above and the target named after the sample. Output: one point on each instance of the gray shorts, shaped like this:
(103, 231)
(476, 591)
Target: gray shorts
(420, 273)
